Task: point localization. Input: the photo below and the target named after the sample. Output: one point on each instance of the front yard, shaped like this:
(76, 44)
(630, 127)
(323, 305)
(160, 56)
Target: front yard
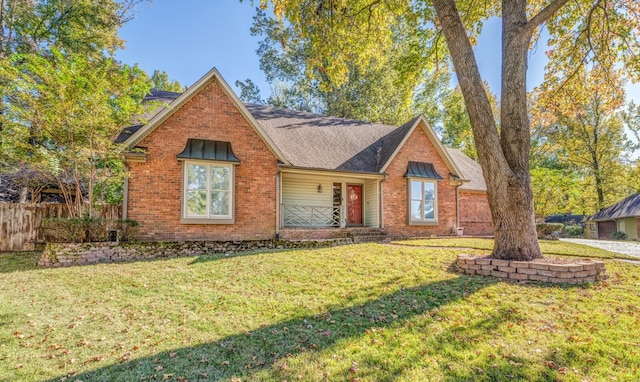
(366, 312)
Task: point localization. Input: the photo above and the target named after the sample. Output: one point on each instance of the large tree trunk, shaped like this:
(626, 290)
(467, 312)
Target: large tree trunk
(504, 157)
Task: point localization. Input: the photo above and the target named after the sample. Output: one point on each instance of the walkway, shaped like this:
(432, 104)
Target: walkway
(625, 247)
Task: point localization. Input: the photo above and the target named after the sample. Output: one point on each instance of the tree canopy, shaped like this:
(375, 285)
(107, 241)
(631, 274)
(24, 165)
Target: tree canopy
(160, 80)
(63, 95)
(583, 124)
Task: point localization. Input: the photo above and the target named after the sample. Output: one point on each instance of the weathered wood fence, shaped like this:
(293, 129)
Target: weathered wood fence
(20, 222)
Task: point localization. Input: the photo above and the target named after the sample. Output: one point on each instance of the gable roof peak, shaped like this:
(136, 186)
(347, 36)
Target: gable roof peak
(408, 128)
(182, 98)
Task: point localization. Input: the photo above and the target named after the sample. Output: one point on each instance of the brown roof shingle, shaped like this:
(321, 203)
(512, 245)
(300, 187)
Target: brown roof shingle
(316, 141)
(628, 207)
(470, 169)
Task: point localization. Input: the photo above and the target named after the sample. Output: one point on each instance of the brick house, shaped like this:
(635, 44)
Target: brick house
(208, 167)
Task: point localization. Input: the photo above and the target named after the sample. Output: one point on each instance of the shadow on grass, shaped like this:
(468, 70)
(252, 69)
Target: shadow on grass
(18, 261)
(208, 257)
(265, 352)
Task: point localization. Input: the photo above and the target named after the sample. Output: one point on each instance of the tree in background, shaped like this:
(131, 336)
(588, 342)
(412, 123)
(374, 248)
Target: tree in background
(381, 90)
(62, 114)
(379, 96)
(63, 96)
(348, 35)
(584, 118)
(160, 80)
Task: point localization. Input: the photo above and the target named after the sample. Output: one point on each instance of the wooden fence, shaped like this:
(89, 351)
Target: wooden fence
(20, 222)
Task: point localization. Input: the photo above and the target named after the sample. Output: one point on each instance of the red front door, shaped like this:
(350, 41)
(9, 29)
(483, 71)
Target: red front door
(354, 204)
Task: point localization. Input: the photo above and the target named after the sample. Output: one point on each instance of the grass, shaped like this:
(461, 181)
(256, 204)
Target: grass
(363, 312)
(548, 247)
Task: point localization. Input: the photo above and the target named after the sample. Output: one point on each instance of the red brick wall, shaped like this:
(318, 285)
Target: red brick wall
(475, 216)
(155, 187)
(420, 149)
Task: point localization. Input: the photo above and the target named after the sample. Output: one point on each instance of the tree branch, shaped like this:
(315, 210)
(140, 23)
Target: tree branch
(544, 14)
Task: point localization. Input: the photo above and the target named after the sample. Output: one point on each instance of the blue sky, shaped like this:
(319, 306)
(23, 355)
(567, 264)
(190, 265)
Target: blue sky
(186, 38)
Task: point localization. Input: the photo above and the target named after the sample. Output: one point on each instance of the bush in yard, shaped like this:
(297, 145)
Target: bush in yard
(96, 229)
(573, 231)
(619, 235)
(127, 229)
(86, 229)
(64, 230)
(549, 231)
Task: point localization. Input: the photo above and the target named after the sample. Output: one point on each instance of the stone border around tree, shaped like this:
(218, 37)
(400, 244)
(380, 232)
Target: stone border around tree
(70, 254)
(566, 272)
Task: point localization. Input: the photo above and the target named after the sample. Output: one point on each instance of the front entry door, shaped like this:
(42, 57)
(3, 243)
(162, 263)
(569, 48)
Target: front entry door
(354, 204)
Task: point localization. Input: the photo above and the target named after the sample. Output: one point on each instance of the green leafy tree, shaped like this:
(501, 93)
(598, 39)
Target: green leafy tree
(160, 80)
(557, 191)
(62, 114)
(73, 26)
(249, 92)
(446, 112)
(350, 34)
(631, 118)
(62, 95)
(382, 90)
(584, 117)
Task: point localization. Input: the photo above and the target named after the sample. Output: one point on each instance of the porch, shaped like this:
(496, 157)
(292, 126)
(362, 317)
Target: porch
(328, 201)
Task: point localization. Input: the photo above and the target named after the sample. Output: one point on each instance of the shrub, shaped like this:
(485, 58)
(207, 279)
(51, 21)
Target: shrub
(86, 229)
(61, 230)
(573, 231)
(619, 235)
(96, 229)
(549, 231)
(127, 229)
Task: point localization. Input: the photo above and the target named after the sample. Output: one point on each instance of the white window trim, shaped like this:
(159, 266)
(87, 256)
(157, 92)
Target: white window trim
(433, 221)
(222, 219)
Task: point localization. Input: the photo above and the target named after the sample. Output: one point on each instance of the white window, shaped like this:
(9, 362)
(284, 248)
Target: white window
(423, 201)
(208, 192)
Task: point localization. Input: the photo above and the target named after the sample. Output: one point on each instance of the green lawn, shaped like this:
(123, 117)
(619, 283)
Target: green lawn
(548, 247)
(365, 312)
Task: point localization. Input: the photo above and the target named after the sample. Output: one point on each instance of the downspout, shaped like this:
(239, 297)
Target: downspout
(381, 182)
(125, 195)
(278, 200)
(458, 206)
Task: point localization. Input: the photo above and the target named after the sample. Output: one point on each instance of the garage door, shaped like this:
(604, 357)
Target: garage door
(605, 229)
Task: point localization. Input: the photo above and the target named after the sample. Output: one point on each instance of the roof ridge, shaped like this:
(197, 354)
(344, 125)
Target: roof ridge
(311, 114)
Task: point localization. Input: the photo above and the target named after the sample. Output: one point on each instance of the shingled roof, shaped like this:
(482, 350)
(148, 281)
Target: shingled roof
(317, 141)
(300, 139)
(156, 100)
(471, 171)
(629, 207)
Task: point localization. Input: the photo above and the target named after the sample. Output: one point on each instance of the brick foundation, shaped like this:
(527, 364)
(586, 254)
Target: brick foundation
(574, 272)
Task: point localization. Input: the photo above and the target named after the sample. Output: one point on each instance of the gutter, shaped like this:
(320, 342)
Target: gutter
(315, 171)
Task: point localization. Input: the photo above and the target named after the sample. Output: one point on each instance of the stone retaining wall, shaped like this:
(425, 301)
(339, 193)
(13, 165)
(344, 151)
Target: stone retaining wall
(574, 272)
(69, 254)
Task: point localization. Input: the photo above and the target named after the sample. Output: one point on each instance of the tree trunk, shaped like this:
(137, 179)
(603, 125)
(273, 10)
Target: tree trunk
(504, 157)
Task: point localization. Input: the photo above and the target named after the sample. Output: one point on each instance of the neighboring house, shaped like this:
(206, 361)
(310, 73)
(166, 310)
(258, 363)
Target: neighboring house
(208, 167)
(623, 216)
